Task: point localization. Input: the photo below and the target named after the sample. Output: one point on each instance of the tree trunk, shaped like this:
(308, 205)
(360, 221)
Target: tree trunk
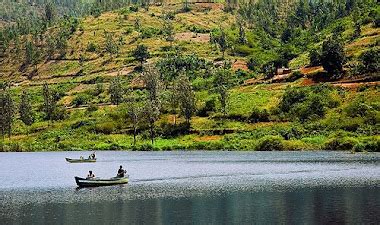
(134, 135)
(151, 133)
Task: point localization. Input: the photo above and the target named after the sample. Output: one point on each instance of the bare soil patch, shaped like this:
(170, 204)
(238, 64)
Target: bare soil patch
(191, 36)
(240, 64)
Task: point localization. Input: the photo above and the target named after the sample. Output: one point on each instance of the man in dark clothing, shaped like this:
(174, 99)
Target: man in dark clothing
(121, 172)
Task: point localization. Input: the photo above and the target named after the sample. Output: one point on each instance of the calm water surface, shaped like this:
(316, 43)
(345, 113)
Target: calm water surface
(193, 188)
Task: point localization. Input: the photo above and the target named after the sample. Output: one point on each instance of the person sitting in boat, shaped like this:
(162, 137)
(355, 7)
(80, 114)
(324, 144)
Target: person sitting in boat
(121, 172)
(92, 156)
(90, 175)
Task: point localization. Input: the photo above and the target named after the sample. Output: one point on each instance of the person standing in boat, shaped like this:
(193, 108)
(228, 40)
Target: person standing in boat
(121, 172)
(90, 175)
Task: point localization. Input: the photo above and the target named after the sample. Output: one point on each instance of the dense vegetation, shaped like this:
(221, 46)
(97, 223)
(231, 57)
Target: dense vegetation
(134, 75)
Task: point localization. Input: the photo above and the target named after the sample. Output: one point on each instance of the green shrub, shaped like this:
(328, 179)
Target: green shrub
(371, 61)
(369, 145)
(315, 57)
(148, 147)
(200, 83)
(208, 107)
(341, 143)
(243, 50)
(60, 113)
(91, 47)
(168, 130)
(92, 107)
(358, 108)
(104, 128)
(81, 99)
(258, 115)
(200, 30)
(253, 64)
(312, 109)
(270, 143)
(148, 32)
(291, 97)
(80, 123)
(134, 8)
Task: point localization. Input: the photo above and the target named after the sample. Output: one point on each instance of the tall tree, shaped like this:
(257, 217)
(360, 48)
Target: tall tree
(116, 91)
(333, 56)
(242, 38)
(49, 11)
(222, 83)
(141, 54)
(153, 86)
(185, 6)
(222, 41)
(168, 30)
(49, 104)
(25, 109)
(111, 46)
(133, 113)
(31, 54)
(6, 113)
(185, 97)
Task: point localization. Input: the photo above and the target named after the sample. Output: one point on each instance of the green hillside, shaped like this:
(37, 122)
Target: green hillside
(208, 80)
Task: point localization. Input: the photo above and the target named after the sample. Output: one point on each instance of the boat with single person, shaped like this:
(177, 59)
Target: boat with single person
(97, 182)
(81, 160)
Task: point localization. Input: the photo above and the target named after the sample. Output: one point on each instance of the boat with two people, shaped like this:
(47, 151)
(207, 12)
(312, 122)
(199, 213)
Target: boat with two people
(91, 158)
(93, 181)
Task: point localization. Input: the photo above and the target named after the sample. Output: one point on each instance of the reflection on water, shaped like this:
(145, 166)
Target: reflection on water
(305, 206)
(194, 188)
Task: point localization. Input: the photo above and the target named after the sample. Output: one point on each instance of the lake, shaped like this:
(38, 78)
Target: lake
(198, 187)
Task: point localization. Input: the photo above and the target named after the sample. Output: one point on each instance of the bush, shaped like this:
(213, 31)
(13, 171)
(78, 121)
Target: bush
(341, 143)
(148, 147)
(200, 83)
(358, 108)
(149, 32)
(168, 130)
(208, 107)
(371, 61)
(104, 128)
(314, 107)
(79, 124)
(291, 97)
(60, 113)
(294, 76)
(369, 145)
(315, 57)
(253, 64)
(376, 21)
(92, 107)
(200, 30)
(258, 115)
(91, 47)
(270, 143)
(169, 15)
(243, 50)
(134, 8)
(81, 99)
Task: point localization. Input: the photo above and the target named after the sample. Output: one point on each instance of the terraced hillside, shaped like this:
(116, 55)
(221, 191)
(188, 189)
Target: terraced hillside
(262, 112)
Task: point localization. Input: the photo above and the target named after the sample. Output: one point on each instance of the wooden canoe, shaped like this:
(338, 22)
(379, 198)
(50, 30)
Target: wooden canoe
(97, 182)
(84, 160)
